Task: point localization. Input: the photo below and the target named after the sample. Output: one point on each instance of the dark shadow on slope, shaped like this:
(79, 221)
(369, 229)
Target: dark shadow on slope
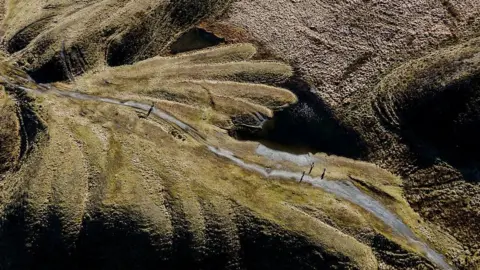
(53, 71)
(308, 126)
(24, 36)
(395, 256)
(268, 246)
(445, 124)
(118, 243)
(151, 37)
(13, 239)
(195, 39)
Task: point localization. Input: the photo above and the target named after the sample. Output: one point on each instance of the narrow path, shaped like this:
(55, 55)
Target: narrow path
(343, 189)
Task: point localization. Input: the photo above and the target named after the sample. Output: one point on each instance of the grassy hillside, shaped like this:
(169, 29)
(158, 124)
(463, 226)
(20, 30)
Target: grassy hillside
(92, 183)
(123, 180)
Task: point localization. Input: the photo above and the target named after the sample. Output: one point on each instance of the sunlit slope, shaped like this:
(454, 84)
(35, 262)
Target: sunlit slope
(98, 185)
(102, 178)
(121, 179)
(53, 39)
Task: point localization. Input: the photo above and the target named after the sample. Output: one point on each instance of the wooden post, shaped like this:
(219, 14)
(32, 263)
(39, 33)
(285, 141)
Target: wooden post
(323, 174)
(311, 167)
(151, 109)
(301, 179)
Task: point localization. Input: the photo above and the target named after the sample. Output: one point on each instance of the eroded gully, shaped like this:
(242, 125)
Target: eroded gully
(343, 189)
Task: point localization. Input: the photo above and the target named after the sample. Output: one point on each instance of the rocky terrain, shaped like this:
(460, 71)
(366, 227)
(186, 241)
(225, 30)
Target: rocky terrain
(385, 92)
